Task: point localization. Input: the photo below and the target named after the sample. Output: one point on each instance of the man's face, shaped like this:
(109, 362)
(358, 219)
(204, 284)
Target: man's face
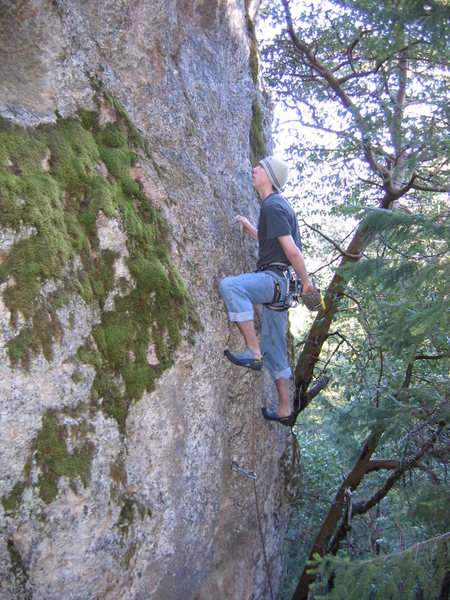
(259, 176)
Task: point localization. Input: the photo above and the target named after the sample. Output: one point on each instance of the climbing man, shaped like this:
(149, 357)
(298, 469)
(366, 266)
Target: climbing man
(279, 242)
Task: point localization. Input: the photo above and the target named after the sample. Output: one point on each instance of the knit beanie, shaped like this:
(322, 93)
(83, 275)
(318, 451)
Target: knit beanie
(277, 170)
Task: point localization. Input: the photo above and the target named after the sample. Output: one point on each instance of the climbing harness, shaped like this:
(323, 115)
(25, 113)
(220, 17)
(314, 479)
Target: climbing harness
(285, 300)
(282, 300)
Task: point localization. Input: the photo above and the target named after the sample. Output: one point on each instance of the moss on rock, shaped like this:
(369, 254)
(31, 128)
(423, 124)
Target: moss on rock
(253, 50)
(54, 459)
(61, 448)
(54, 181)
(258, 148)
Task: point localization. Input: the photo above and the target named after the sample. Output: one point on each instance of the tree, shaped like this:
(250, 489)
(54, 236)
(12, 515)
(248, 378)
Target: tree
(372, 77)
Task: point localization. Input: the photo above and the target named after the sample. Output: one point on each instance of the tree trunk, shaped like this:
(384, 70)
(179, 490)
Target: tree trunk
(352, 481)
(321, 326)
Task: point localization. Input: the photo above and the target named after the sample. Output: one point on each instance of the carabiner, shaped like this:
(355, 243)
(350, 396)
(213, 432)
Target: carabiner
(247, 473)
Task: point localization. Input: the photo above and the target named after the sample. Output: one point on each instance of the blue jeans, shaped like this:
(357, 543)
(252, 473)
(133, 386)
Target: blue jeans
(239, 294)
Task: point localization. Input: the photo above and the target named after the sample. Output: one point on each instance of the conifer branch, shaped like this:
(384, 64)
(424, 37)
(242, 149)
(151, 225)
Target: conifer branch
(413, 549)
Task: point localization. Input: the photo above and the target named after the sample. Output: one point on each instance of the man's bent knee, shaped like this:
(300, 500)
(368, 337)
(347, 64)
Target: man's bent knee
(224, 286)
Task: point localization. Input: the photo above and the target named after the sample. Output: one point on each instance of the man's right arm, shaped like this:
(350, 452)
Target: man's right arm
(295, 257)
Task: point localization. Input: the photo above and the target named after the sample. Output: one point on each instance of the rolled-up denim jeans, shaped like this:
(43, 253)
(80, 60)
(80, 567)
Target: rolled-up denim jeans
(239, 294)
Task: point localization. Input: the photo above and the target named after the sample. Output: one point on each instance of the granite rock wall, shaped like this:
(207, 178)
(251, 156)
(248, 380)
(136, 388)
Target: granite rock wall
(147, 507)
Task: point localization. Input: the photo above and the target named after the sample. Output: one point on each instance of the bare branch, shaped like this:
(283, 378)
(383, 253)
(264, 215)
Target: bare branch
(379, 464)
(431, 356)
(310, 60)
(363, 506)
(314, 126)
(379, 377)
(408, 375)
(328, 264)
(360, 508)
(320, 385)
(338, 248)
(435, 189)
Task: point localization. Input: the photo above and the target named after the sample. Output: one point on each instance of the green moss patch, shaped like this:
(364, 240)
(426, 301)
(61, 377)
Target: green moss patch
(52, 459)
(53, 184)
(258, 148)
(253, 56)
(55, 461)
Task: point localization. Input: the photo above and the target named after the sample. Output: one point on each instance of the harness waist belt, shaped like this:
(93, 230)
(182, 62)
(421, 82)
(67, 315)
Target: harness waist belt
(278, 265)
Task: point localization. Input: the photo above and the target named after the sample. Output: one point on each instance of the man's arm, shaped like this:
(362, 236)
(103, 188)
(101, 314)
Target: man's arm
(248, 227)
(295, 257)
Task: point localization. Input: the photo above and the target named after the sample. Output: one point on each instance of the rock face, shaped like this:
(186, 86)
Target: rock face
(126, 156)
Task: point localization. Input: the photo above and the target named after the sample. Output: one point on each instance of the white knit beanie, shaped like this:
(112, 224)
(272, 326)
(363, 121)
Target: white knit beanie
(277, 170)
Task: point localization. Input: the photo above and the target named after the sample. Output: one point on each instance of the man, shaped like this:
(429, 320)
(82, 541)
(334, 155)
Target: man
(279, 241)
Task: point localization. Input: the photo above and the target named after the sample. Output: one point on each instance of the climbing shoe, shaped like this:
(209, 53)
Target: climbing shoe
(271, 415)
(246, 359)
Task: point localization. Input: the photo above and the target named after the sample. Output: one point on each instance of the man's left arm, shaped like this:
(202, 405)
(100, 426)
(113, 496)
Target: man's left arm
(295, 257)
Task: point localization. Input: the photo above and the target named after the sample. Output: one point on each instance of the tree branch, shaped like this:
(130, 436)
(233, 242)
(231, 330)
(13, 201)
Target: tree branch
(351, 481)
(379, 464)
(430, 356)
(302, 49)
(338, 248)
(320, 385)
(363, 506)
(360, 508)
(425, 188)
(380, 377)
(408, 375)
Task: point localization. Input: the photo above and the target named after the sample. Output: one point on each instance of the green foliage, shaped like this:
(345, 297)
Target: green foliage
(370, 81)
(325, 455)
(366, 82)
(406, 279)
(406, 575)
(388, 359)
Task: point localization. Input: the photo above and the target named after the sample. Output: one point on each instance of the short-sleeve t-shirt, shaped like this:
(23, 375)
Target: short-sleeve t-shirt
(276, 219)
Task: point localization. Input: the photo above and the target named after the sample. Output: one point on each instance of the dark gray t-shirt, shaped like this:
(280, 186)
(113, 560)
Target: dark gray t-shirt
(276, 218)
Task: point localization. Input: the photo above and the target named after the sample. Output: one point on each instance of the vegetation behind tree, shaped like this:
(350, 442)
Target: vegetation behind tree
(367, 81)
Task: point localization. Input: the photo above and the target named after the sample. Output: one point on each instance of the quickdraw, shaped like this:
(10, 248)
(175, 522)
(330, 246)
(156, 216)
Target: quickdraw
(247, 472)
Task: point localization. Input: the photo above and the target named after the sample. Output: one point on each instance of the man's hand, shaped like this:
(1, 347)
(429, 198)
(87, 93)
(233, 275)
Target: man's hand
(247, 226)
(307, 287)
